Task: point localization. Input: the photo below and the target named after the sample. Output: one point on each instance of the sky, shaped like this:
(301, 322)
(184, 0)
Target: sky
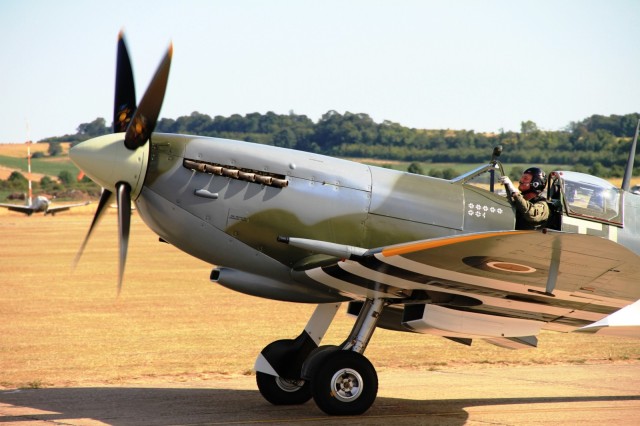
(475, 65)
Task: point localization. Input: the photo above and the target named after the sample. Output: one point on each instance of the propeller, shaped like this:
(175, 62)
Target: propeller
(124, 224)
(146, 116)
(124, 104)
(116, 163)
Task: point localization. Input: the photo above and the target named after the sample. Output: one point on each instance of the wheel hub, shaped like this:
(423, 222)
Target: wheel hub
(347, 385)
(289, 385)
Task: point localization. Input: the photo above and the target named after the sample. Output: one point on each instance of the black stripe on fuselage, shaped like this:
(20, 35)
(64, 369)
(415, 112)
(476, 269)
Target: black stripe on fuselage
(342, 275)
(375, 264)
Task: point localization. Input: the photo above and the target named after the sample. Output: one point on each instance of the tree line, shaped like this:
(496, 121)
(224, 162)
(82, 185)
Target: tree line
(598, 144)
(66, 187)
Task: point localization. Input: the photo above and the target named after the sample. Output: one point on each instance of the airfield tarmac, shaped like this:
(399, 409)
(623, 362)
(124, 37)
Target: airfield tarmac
(559, 394)
(173, 349)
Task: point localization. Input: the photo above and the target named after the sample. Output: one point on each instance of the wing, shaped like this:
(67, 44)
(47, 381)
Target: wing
(494, 284)
(57, 209)
(625, 322)
(18, 208)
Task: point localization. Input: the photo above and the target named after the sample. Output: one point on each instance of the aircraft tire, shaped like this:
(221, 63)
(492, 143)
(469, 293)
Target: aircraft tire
(279, 391)
(346, 384)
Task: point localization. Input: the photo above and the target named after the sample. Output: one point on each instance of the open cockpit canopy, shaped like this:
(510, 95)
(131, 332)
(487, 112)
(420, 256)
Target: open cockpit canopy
(586, 196)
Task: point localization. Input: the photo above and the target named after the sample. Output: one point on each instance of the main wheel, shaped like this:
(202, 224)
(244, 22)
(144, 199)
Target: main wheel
(279, 391)
(345, 384)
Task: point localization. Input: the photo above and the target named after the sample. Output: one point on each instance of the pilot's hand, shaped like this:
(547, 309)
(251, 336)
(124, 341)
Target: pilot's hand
(511, 189)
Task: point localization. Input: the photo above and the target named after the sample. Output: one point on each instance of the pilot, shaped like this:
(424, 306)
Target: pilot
(532, 210)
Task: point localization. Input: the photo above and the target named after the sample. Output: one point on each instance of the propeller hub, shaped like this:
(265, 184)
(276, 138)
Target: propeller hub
(107, 161)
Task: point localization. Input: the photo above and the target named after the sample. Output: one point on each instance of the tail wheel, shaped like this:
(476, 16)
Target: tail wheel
(280, 391)
(345, 384)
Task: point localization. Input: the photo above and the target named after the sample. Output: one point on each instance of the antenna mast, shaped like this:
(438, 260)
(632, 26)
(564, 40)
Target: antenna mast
(628, 172)
(29, 164)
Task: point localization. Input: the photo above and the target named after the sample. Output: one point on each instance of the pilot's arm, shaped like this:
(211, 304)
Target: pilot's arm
(508, 185)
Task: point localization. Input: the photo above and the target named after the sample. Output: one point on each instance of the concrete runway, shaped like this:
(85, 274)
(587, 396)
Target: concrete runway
(558, 394)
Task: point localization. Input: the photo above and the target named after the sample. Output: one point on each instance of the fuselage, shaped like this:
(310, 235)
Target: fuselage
(227, 202)
(324, 198)
(39, 204)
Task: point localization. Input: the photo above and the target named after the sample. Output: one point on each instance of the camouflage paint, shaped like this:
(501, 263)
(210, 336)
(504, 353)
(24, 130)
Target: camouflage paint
(326, 199)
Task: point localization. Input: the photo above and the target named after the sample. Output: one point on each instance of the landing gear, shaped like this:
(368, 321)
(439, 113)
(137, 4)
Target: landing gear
(345, 384)
(280, 391)
(279, 365)
(339, 378)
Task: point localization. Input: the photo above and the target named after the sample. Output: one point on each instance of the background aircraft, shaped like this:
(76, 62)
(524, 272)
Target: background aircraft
(41, 203)
(409, 253)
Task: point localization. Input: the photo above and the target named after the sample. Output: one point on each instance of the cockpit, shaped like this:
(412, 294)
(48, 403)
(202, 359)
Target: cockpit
(586, 196)
(569, 193)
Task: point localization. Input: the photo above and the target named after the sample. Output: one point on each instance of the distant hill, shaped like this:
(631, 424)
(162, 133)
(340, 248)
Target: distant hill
(13, 157)
(53, 174)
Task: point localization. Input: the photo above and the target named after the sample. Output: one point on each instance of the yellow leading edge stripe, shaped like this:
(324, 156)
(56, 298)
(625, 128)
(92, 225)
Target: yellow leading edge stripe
(429, 244)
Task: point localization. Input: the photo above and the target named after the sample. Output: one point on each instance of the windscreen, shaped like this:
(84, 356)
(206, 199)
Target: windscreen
(591, 196)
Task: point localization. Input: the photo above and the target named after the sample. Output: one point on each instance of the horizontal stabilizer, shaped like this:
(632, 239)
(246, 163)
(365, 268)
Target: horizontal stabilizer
(625, 322)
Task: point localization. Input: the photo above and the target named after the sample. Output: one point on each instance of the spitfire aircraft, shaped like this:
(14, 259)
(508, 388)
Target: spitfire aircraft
(41, 203)
(407, 252)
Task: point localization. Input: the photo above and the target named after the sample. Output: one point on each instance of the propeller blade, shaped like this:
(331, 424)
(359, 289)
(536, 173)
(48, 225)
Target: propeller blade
(124, 105)
(105, 155)
(104, 201)
(124, 225)
(144, 120)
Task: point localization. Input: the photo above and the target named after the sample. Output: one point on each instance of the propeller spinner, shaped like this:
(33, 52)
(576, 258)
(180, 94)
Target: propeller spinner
(118, 161)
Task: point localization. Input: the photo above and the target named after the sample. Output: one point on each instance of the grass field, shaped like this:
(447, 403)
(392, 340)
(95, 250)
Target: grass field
(64, 328)
(13, 156)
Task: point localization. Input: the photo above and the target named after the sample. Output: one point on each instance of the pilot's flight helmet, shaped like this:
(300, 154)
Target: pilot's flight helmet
(538, 178)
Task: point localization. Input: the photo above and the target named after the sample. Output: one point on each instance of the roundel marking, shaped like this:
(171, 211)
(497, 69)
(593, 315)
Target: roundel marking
(511, 267)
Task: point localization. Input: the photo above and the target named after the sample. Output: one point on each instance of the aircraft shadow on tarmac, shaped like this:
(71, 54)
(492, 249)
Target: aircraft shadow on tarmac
(164, 406)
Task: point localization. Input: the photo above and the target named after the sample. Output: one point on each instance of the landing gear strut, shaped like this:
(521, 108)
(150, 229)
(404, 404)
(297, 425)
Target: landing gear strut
(341, 380)
(279, 364)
